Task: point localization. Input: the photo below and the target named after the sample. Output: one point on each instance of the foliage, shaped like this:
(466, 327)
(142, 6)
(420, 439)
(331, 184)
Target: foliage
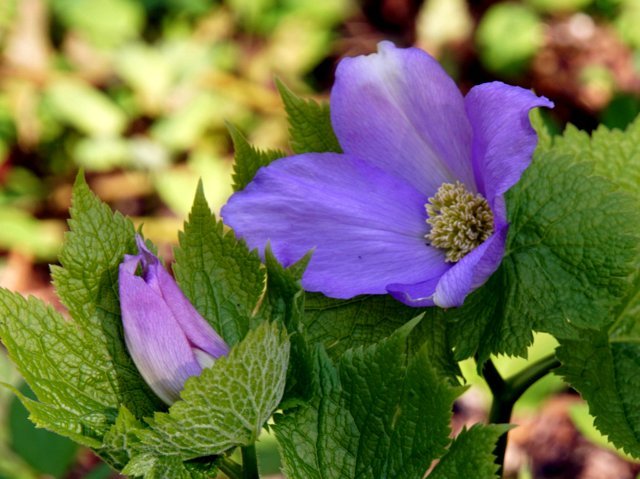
(350, 388)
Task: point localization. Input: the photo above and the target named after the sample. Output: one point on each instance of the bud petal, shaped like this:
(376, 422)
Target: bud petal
(166, 337)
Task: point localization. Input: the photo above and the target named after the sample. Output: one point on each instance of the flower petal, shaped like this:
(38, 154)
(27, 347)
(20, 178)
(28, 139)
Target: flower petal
(367, 227)
(503, 139)
(198, 332)
(193, 325)
(417, 294)
(472, 271)
(154, 339)
(399, 110)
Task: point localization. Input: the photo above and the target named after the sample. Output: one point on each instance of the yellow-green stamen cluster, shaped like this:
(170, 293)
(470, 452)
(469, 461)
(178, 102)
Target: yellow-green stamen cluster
(460, 221)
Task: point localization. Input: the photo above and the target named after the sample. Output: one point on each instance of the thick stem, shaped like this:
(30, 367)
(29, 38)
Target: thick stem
(231, 469)
(249, 463)
(507, 392)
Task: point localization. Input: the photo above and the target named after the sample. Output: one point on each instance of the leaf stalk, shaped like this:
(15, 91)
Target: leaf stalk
(249, 463)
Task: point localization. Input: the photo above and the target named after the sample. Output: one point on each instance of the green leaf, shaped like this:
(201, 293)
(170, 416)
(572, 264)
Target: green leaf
(120, 442)
(218, 274)
(228, 404)
(571, 247)
(284, 302)
(309, 124)
(87, 285)
(79, 369)
(29, 442)
(86, 108)
(167, 467)
(605, 372)
(344, 324)
(247, 159)
(71, 377)
(365, 320)
(383, 413)
(615, 154)
(319, 440)
(471, 454)
(401, 408)
(603, 364)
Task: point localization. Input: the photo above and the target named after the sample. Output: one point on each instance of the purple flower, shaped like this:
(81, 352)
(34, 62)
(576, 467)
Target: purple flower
(415, 205)
(167, 338)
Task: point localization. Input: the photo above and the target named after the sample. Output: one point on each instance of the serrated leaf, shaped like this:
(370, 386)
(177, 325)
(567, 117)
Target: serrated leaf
(247, 159)
(319, 440)
(284, 302)
(471, 454)
(603, 365)
(566, 264)
(615, 154)
(59, 361)
(402, 408)
(87, 285)
(384, 413)
(119, 444)
(79, 369)
(309, 124)
(365, 320)
(228, 404)
(219, 275)
(344, 324)
(605, 373)
(165, 467)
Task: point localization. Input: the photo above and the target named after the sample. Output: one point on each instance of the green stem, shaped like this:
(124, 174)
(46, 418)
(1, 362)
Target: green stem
(249, 463)
(231, 469)
(507, 392)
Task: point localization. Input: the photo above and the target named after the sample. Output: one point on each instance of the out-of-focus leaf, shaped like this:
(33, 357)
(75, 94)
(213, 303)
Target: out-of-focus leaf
(148, 73)
(254, 15)
(627, 22)
(183, 129)
(101, 154)
(554, 6)
(622, 110)
(508, 36)
(177, 186)
(7, 16)
(443, 21)
(86, 108)
(106, 23)
(12, 466)
(30, 442)
(22, 188)
(20, 231)
(297, 44)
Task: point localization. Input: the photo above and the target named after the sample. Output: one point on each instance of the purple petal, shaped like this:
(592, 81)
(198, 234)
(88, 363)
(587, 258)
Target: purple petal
(193, 325)
(367, 226)
(472, 271)
(154, 338)
(503, 139)
(417, 294)
(400, 111)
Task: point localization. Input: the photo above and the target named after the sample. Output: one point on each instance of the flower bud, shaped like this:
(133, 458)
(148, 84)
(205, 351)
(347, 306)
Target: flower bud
(166, 337)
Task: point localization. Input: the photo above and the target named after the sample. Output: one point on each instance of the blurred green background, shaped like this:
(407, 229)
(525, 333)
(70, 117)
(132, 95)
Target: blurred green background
(137, 93)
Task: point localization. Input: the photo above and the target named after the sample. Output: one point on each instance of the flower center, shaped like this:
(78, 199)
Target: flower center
(460, 221)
